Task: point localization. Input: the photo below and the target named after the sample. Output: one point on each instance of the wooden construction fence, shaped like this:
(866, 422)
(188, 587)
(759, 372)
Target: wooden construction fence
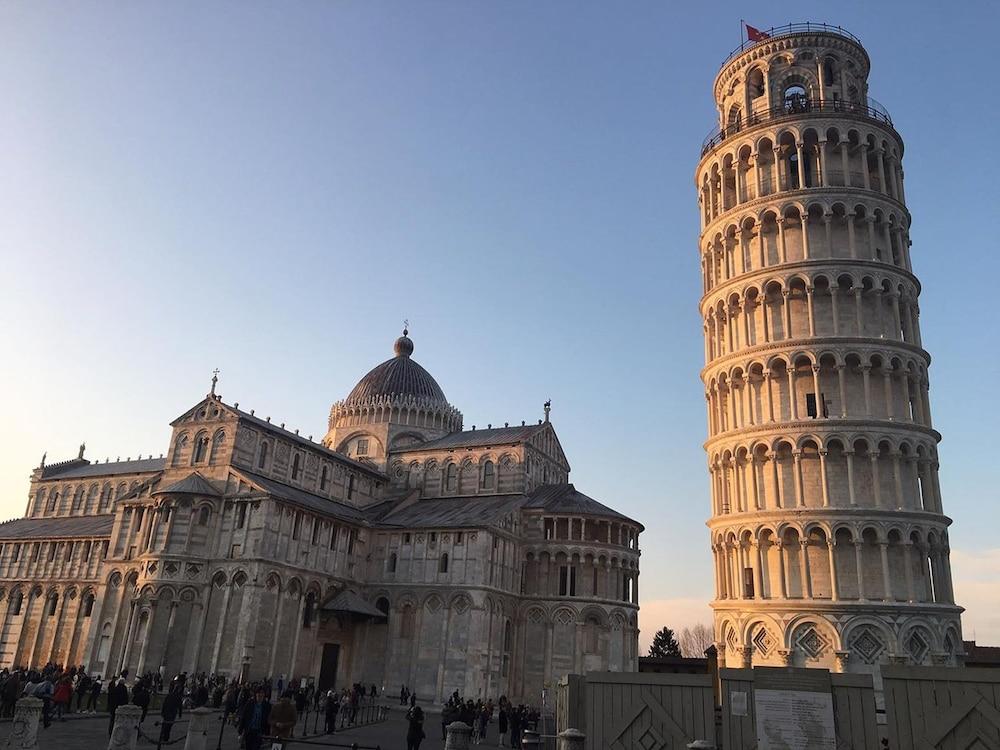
(942, 708)
(625, 711)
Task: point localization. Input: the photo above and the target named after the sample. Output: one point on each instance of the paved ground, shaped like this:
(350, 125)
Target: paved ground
(91, 733)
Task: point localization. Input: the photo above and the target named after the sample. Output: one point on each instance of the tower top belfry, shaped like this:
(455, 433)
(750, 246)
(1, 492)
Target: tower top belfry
(827, 527)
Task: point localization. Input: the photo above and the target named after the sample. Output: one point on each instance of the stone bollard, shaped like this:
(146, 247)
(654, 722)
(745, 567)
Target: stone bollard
(459, 736)
(530, 740)
(197, 736)
(571, 739)
(24, 727)
(125, 734)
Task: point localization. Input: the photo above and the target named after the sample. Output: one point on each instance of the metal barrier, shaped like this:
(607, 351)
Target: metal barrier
(284, 743)
(776, 32)
(158, 741)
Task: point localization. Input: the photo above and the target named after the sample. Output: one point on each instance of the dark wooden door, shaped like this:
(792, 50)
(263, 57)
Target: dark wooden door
(328, 669)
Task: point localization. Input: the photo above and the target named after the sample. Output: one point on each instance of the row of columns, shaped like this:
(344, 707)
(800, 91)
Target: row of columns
(731, 559)
(38, 651)
(735, 328)
(723, 263)
(773, 176)
(730, 487)
(618, 580)
(731, 408)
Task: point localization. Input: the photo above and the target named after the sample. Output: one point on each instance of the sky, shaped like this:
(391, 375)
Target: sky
(272, 188)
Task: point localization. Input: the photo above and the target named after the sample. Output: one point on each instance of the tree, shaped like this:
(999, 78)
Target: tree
(664, 644)
(694, 640)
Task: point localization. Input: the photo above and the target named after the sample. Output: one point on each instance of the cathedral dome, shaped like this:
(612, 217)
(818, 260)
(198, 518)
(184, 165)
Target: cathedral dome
(399, 377)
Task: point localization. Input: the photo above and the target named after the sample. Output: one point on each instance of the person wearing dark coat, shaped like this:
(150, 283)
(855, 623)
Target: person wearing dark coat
(169, 710)
(140, 698)
(117, 696)
(502, 725)
(332, 707)
(415, 728)
(255, 720)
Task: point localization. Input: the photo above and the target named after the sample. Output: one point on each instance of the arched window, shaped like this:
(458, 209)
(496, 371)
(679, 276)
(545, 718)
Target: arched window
(53, 500)
(406, 622)
(262, 458)
(217, 440)
(16, 600)
(78, 500)
(179, 446)
(296, 467)
(829, 72)
(443, 563)
(489, 475)
(382, 605)
(200, 449)
(53, 603)
(545, 475)
(451, 478)
(105, 498)
(88, 605)
(324, 478)
(735, 120)
(392, 562)
(309, 610)
(506, 636)
(350, 487)
(795, 98)
(203, 515)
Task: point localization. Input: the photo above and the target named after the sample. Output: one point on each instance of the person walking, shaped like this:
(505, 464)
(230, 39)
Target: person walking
(117, 696)
(330, 710)
(415, 728)
(284, 716)
(95, 693)
(254, 721)
(82, 690)
(502, 725)
(168, 712)
(62, 696)
(140, 698)
(44, 691)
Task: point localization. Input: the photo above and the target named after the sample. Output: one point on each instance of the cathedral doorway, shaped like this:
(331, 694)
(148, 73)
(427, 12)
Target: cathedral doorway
(328, 667)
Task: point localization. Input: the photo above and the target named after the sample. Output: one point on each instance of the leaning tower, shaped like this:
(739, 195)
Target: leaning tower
(828, 533)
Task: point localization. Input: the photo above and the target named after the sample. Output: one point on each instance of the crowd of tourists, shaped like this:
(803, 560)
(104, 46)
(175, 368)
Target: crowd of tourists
(246, 706)
(479, 715)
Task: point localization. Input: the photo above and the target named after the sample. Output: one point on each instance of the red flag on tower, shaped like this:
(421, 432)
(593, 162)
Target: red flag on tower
(756, 35)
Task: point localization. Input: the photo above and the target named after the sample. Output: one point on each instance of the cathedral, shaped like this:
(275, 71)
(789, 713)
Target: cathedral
(399, 549)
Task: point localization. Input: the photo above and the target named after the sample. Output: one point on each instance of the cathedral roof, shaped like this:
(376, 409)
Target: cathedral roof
(305, 499)
(566, 500)
(470, 438)
(399, 376)
(453, 512)
(80, 470)
(57, 528)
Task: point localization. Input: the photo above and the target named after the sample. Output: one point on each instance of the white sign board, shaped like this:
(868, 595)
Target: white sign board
(794, 720)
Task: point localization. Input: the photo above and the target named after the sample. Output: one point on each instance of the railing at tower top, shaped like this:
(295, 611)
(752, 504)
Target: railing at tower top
(797, 107)
(776, 32)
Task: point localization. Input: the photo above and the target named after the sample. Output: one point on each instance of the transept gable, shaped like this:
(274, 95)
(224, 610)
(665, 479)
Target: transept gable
(546, 441)
(209, 409)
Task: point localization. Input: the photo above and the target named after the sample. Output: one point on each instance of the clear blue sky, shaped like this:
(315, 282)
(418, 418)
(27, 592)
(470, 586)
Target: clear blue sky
(270, 188)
